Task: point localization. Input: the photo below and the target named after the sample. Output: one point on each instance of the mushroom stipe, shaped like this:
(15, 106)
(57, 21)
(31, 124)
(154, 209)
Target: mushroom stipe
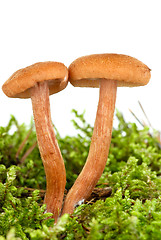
(99, 148)
(49, 150)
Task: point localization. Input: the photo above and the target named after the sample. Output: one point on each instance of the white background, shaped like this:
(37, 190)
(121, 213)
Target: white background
(36, 30)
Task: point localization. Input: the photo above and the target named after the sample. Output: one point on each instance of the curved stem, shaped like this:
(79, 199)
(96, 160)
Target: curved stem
(49, 149)
(99, 148)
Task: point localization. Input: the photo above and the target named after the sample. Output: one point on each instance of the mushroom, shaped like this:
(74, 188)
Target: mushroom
(106, 71)
(38, 81)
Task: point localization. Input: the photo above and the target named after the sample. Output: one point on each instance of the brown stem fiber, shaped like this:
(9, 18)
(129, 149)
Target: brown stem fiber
(49, 149)
(99, 148)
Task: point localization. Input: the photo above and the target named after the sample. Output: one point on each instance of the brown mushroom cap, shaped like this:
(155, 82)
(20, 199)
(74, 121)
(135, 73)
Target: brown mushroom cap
(20, 83)
(127, 71)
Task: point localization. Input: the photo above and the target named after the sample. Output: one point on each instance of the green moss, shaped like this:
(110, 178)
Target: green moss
(133, 171)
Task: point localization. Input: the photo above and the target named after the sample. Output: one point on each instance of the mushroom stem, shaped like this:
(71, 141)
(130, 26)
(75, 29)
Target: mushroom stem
(99, 148)
(49, 149)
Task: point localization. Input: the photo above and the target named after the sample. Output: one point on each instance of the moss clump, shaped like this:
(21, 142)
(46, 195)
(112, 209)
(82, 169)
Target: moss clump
(133, 170)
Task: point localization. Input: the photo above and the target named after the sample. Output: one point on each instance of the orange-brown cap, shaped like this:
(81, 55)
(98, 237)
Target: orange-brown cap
(20, 83)
(127, 71)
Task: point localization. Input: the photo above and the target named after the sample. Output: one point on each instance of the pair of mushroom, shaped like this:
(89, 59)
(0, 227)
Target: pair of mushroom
(38, 81)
